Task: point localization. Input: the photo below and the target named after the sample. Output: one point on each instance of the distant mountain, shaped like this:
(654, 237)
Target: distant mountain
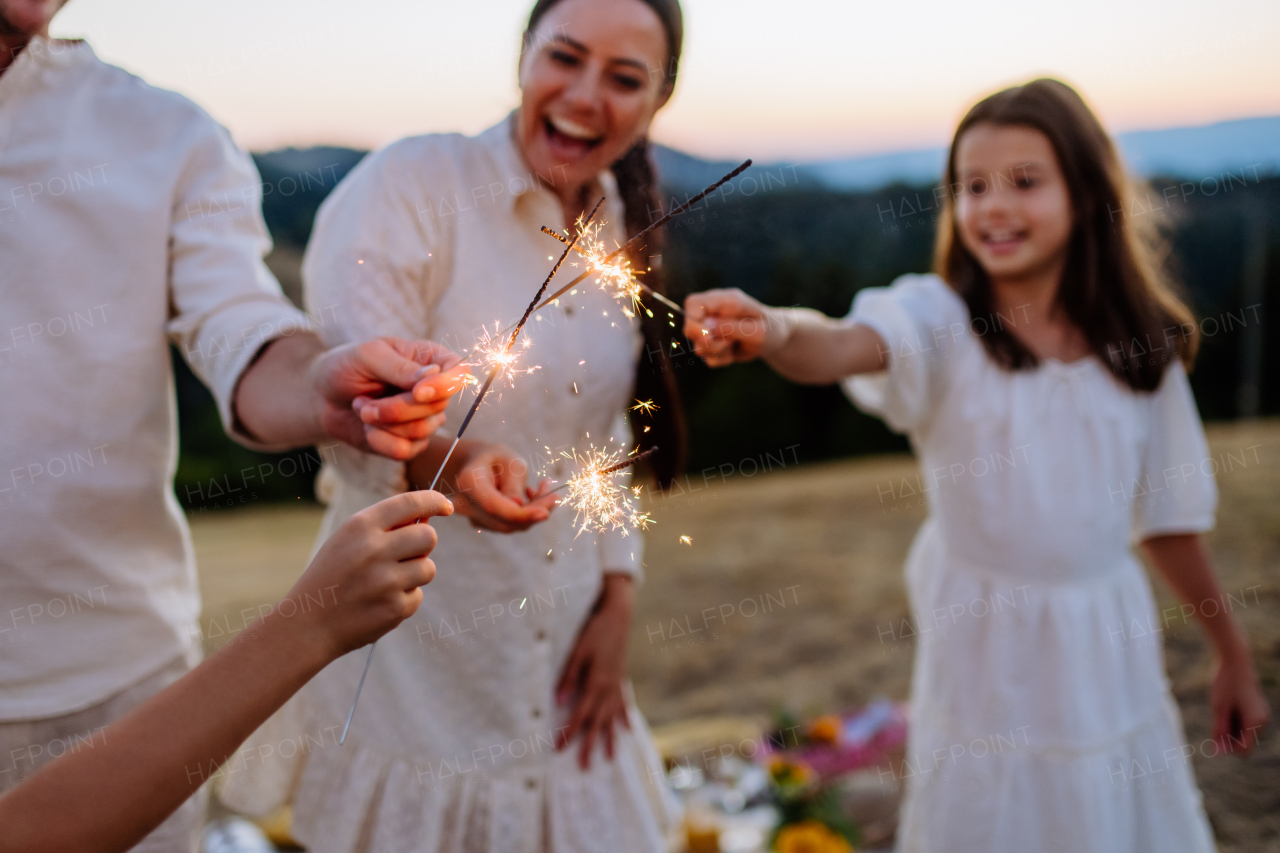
(1183, 152)
(1201, 152)
(296, 180)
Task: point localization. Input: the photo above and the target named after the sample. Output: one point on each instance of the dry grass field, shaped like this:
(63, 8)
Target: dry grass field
(801, 568)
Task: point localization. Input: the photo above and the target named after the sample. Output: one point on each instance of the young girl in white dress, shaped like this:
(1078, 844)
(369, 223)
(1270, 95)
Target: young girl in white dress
(1041, 378)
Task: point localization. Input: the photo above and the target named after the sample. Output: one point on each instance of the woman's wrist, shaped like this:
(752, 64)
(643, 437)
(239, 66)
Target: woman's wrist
(1231, 645)
(618, 592)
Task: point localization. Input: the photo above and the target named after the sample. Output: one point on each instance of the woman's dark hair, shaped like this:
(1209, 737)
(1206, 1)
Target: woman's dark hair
(638, 187)
(1114, 287)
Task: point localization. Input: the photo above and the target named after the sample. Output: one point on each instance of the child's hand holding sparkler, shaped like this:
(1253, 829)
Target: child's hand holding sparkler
(489, 483)
(802, 344)
(728, 325)
(367, 578)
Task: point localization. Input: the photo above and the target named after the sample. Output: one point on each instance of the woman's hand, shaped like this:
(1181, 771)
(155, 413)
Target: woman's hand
(728, 325)
(1240, 711)
(489, 484)
(597, 667)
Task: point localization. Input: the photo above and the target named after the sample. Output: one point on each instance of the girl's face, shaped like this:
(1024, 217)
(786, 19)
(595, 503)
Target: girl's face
(591, 79)
(1013, 209)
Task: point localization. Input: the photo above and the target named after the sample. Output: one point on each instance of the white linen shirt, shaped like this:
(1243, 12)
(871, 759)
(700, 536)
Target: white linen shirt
(451, 747)
(128, 220)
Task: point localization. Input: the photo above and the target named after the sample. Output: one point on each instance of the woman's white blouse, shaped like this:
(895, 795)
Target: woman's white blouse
(1038, 679)
(438, 237)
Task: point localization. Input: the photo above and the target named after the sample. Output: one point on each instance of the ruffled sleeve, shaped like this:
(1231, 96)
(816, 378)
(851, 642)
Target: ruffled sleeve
(376, 266)
(921, 320)
(1181, 495)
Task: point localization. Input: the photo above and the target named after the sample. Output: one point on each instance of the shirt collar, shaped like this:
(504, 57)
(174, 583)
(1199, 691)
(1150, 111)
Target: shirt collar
(43, 56)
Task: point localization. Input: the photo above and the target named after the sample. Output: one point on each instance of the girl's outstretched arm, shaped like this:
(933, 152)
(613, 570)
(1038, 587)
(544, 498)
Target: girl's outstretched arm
(368, 576)
(801, 344)
(1239, 708)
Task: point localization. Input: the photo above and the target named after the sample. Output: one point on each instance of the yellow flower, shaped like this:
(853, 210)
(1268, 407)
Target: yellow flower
(810, 836)
(786, 772)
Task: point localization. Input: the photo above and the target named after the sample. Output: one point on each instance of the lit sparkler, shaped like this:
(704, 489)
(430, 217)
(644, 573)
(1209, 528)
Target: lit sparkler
(499, 358)
(636, 240)
(597, 499)
(614, 273)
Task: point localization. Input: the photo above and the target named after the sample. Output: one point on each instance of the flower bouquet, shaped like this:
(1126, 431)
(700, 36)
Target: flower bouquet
(805, 774)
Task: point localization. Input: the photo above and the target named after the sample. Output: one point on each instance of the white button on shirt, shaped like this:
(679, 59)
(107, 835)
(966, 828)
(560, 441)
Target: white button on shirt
(128, 220)
(452, 746)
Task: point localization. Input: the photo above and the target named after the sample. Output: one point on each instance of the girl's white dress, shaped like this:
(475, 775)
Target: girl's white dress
(1041, 718)
(451, 749)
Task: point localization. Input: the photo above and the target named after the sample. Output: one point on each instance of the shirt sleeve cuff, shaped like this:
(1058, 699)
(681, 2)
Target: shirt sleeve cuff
(220, 347)
(623, 553)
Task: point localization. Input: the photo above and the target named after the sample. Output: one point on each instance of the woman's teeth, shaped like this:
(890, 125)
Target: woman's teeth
(573, 130)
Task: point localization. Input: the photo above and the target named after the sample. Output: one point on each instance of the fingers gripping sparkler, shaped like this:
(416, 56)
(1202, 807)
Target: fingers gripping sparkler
(499, 362)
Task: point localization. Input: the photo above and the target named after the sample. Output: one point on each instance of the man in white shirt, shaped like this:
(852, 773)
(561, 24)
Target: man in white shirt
(130, 220)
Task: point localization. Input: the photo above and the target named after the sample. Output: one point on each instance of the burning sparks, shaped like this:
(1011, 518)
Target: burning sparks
(686, 540)
(648, 407)
(496, 354)
(614, 272)
(599, 502)
(638, 239)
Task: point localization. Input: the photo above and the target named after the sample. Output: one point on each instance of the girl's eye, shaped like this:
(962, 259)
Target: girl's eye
(628, 82)
(978, 186)
(562, 58)
(1025, 183)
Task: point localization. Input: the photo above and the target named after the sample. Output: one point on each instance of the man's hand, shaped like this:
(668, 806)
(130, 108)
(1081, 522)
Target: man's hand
(594, 675)
(352, 384)
(385, 395)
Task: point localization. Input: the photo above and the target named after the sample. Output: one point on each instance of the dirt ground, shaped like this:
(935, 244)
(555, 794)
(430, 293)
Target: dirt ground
(801, 568)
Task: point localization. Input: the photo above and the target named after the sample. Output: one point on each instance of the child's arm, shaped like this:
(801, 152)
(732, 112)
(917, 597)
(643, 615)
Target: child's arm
(1239, 708)
(368, 575)
(801, 344)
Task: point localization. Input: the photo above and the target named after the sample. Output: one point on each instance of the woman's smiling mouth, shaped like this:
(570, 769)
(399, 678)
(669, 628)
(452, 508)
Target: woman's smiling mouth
(569, 140)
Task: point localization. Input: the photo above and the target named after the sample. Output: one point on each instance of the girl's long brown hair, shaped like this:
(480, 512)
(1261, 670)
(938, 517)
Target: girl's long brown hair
(638, 186)
(1114, 287)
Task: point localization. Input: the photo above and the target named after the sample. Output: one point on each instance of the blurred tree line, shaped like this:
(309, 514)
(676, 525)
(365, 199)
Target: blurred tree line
(797, 244)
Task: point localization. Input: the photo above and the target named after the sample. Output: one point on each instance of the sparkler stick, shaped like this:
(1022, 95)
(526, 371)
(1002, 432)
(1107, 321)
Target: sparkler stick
(500, 362)
(675, 211)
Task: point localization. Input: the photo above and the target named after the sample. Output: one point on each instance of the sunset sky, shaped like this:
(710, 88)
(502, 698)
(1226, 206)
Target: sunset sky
(805, 79)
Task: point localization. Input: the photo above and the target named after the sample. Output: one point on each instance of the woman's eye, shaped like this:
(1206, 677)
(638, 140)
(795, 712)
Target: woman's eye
(628, 82)
(563, 58)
